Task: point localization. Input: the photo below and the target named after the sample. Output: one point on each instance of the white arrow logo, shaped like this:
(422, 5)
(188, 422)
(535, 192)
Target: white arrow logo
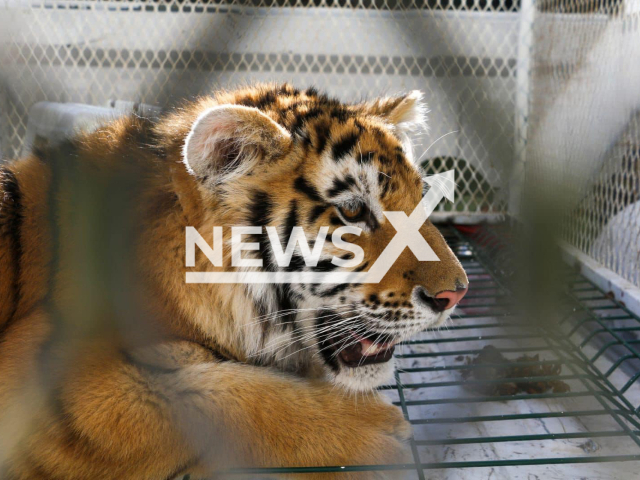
(408, 235)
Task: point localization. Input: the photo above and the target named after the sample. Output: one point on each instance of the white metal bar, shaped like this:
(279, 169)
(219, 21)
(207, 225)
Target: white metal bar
(523, 88)
(624, 292)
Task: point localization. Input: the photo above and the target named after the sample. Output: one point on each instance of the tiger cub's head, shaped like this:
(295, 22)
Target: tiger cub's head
(276, 156)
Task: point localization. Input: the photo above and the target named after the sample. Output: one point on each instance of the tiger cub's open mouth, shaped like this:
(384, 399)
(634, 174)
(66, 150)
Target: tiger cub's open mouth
(367, 350)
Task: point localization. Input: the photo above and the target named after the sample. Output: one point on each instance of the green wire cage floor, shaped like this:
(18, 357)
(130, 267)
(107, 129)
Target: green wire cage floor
(589, 428)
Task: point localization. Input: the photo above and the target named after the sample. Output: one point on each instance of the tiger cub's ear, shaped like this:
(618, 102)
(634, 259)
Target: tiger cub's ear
(404, 113)
(228, 141)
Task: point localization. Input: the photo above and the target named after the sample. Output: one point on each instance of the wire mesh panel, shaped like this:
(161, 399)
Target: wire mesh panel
(606, 222)
(462, 54)
(583, 131)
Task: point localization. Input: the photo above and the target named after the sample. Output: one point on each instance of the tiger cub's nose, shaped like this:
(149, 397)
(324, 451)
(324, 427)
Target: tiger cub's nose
(441, 301)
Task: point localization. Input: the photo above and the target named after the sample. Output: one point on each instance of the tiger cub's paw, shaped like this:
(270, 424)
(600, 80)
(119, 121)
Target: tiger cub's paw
(384, 435)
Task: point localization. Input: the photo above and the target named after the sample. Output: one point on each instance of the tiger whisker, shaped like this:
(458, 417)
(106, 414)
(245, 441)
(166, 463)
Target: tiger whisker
(343, 346)
(305, 348)
(319, 340)
(434, 142)
(280, 313)
(310, 334)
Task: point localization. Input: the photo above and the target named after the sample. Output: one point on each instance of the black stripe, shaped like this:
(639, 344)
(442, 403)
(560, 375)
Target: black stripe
(286, 89)
(302, 185)
(11, 220)
(292, 216)
(340, 113)
(339, 288)
(327, 344)
(378, 134)
(289, 108)
(324, 266)
(267, 99)
(303, 135)
(367, 157)
(315, 213)
(291, 220)
(359, 268)
(383, 181)
(284, 300)
(384, 160)
(339, 186)
(335, 290)
(259, 303)
(323, 134)
(372, 221)
(343, 147)
(261, 208)
(297, 264)
(303, 118)
(335, 220)
(312, 113)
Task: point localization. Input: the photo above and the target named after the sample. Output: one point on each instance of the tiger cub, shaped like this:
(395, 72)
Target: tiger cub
(113, 365)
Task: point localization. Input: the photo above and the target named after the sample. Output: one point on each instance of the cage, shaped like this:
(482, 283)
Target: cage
(528, 100)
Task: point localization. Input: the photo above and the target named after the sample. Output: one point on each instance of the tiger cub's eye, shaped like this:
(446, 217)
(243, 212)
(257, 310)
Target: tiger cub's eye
(353, 213)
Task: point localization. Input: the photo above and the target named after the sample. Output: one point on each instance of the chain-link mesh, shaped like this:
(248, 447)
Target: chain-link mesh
(462, 53)
(584, 125)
